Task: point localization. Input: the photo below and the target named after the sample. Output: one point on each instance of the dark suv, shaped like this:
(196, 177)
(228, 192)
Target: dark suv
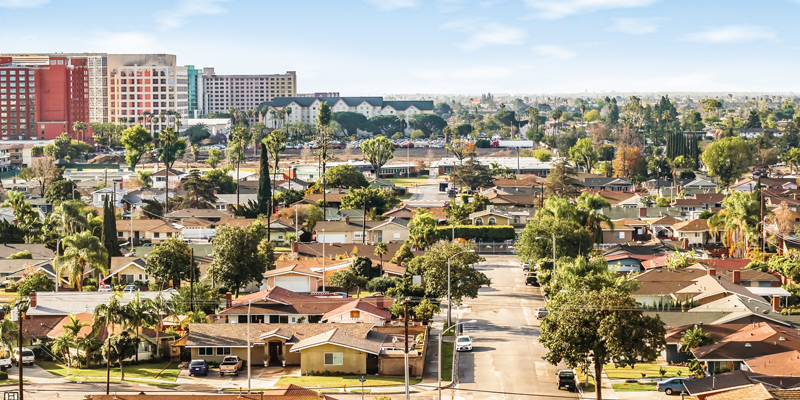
(532, 280)
(566, 378)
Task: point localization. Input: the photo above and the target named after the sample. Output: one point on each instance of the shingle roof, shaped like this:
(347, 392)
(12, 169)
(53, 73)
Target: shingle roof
(754, 392)
(667, 221)
(695, 225)
(360, 305)
(144, 225)
(39, 251)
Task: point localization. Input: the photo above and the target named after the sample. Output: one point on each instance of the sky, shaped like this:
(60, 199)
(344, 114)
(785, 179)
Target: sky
(377, 47)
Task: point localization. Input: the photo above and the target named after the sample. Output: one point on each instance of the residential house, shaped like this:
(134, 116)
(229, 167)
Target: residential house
(406, 211)
(358, 311)
(147, 336)
(382, 184)
(278, 228)
(608, 184)
(347, 231)
(493, 216)
(44, 304)
(334, 200)
(162, 177)
(524, 165)
(695, 233)
(692, 284)
(202, 213)
(111, 193)
(727, 386)
(197, 229)
(662, 227)
(616, 232)
(513, 200)
(749, 184)
(145, 230)
(129, 270)
(226, 202)
(622, 199)
(291, 392)
(296, 276)
(755, 347)
(38, 251)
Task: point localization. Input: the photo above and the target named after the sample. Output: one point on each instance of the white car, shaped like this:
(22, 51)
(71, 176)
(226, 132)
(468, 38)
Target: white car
(541, 312)
(5, 359)
(463, 343)
(27, 356)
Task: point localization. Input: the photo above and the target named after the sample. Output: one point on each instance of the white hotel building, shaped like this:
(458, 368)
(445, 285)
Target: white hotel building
(304, 109)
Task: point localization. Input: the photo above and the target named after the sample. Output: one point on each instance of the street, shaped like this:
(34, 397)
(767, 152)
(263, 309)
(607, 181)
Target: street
(506, 362)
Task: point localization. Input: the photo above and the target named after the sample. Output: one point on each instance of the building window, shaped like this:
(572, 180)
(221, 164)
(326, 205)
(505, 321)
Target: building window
(516, 219)
(492, 221)
(334, 359)
(205, 351)
(223, 351)
(396, 235)
(478, 221)
(355, 314)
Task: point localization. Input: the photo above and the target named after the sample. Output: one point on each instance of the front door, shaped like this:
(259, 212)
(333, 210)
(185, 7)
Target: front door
(380, 237)
(275, 350)
(372, 364)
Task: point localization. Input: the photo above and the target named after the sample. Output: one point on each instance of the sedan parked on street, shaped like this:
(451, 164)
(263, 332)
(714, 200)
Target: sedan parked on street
(672, 386)
(541, 312)
(463, 343)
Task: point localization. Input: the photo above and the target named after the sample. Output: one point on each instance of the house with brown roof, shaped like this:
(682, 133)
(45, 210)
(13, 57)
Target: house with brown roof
(736, 385)
(358, 311)
(754, 347)
(662, 227)
(616, 232)
(161, 177)
(619, 198)
(145, 230)
(207, 214)
(695, 232)
(692, 284)
(129, 270)
(347, 231)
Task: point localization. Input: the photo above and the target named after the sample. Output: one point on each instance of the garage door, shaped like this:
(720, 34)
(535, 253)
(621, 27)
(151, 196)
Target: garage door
(294, 283)
(328, 238)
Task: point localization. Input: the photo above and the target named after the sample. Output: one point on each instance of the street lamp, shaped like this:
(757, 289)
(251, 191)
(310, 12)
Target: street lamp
(449, 301)
(439, 385)
(454, 228)
(249, 303)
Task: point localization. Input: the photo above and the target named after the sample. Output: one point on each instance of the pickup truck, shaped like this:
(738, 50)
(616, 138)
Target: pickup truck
(27, 356)
(230, 365)
(566, 378)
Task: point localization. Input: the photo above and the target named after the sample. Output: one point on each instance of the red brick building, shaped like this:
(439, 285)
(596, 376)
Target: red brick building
(43, 97)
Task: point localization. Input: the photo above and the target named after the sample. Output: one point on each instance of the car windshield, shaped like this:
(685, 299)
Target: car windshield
(196, 364)
(463, 339)
(566, 374)
(543, 309)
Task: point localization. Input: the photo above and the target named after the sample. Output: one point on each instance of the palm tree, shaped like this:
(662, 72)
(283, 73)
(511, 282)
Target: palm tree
(16, 199)
(86, 343)
(8, 335)
(81, 127)
(694, 338)
(75, 325)
(380, 251)
(739, 219)
(138, 313)
(71, 216)
(161, 307)
(194, 317)
(82, 250)
(589, 218)
(106, 317)
(61, 345)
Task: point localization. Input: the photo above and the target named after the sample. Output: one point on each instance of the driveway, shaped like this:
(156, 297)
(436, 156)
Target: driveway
(260, 377)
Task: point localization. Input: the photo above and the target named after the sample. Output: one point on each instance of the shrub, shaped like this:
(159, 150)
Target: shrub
(484, 233)
(154, 287)
(90, 288)
(662, 371)
(3, 375)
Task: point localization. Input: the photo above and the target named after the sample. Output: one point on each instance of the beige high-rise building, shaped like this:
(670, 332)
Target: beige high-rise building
(246, 92)
(144, 85)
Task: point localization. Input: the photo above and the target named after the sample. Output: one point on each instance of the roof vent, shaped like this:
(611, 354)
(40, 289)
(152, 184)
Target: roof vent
(748, 345)
(781, 338)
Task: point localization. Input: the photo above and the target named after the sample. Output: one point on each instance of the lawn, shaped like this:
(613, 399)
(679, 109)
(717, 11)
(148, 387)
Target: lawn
(447, 361)
(582, 381)
(143, 370)
(409, 181)
(634, 387)
(313, 382)
(650, 371)
(137, 381)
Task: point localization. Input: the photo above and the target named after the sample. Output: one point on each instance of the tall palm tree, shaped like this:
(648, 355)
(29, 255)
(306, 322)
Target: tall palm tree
(589, 218)
(380, 251)
(165, 308)
(62, 344)
(75, 325)
(16, 200)
(81, 127)
(106, 317)
(71, 215)
(739, 219)
(138, 313)
(82, 250)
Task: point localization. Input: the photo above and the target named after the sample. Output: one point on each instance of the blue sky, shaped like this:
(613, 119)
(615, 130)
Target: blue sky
(375, 47)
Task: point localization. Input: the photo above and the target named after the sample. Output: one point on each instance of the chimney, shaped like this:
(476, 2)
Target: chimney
(347, 220)
(794, 196)
(295, 247)
(712, 272)
(642, 212)
(33, 299)
(228, 300)
(776, 304)
(737, 277)
(215, 192)
(120, 186)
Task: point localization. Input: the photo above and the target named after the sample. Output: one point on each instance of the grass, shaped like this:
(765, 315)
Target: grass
(447, 360)
(634, 387)
(365, 293)
(407, 181)
(143, 370)
(11, 382)
(283, 249)
(581, 379)
(137, 381)
(312, 382)
(650, 371)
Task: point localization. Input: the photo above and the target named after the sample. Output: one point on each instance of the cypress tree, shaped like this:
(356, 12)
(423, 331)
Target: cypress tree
(109, 236)
(264, 191)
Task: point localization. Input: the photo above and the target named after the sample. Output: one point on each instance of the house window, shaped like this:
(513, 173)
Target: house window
(333, 359)
(119, 233)
(223, 351)
(516, 219)
(492, 221)
(478, 221)
(126, 278)
(357, 235)
(619, 235)
(696, 234)
(206, 351)
(396, 235)
(355, 314)
(155, 234)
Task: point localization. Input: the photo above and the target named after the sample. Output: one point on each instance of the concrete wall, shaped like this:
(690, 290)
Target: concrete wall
(313, 359)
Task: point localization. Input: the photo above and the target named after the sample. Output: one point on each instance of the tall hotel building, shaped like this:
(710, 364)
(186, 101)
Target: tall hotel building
(246, 92)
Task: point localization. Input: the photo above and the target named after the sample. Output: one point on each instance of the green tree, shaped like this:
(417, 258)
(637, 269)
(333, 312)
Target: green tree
(377, 199)
(589, 217)
(312, 215)
(106, 317)
(197, 132)
(536, 241)
(61, 346)
(728, 158)
(205, 297)
(362, 266)
(140, 312)
(83, 250)
(221, 181)
(403, 254)
(8, 334)
(109, 232)
(275, 143)
(137, 142)
(351, 122)
(422, 229)
(61, 190)
(583, 152)
(381, 284)
(120, 347)
(346, 176)
(739, 219)
(380, 250)
(562, 181)
(428, 123)
(171, 261)
(172, 148)
(378, 152)
(199, 192)
(37, 282)
(145, 178)
(21, 255)
(214, 157)
(417, 134)
(425, 310)
(592, 116)
(473, 175)
(237, 260)
(347, 279)
(694, 338)
(604, 326)
(290, 196)
(465, 280)
(387, 124)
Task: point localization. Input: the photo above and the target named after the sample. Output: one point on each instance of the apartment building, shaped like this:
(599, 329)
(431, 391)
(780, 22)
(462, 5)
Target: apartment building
(145, 85)
(195, 87)
(304, 109)
(246, 92)
(16, 155)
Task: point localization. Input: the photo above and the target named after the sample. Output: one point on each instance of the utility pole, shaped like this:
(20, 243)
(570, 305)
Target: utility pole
(364, 221)
(405, 341)
(191, 279)
(19, 344)
(761, 221)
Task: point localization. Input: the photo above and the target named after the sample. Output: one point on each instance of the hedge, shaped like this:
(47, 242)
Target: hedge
(482, 233)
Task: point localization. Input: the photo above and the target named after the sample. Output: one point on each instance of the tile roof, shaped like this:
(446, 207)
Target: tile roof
(360, 305)
(145, 225)
(666, 221)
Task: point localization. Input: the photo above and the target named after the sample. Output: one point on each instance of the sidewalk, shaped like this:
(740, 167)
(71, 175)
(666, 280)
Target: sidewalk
(607, 390)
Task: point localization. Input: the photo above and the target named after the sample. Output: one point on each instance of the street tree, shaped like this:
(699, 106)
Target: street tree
(137, 142)
(465, 280)
(237, 259)
(728, 158)
(171, 262)
(378, 151)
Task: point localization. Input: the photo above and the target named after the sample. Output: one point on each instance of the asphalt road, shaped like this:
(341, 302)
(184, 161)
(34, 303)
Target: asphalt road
(506, 361)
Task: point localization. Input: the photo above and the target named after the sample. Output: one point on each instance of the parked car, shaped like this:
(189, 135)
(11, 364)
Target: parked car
(566, 378)
(130, 289)
(672, 386)
(198, 367)
(27, 356)
(526, 267)
(5, 360)
(541, 312)
(230, 365)
(104, 289)
(532, 280)
(463, 343)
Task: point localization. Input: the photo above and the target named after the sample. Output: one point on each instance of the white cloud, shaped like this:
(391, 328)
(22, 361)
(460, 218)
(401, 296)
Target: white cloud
(635, 26)
(389, 5)
(177, 16)
(732, 34)
(22, 3)
(555, 9)
(124, 42)
(480, 34)
(553, 51)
